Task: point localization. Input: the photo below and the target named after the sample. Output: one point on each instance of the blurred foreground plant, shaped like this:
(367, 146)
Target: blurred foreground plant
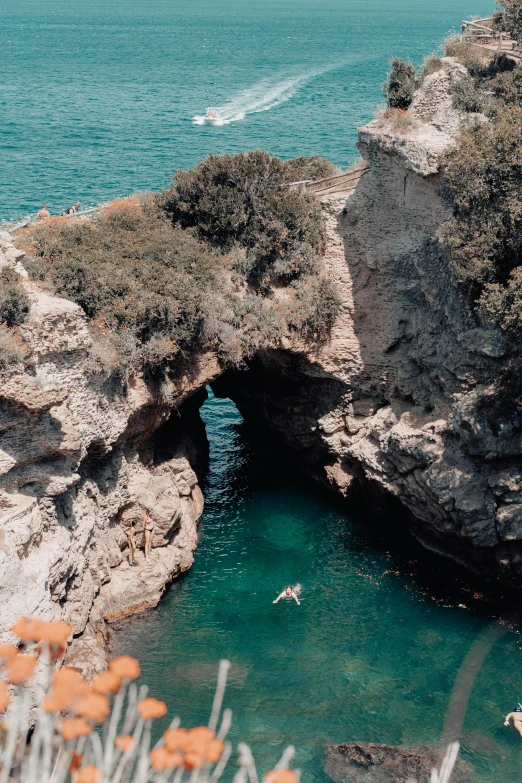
(100, 732)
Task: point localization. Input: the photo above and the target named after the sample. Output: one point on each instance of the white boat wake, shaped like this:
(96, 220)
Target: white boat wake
(265, 95)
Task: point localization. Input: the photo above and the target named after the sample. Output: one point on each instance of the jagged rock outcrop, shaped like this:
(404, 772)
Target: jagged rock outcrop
(81, 455)
(357, 762)
(395, 399)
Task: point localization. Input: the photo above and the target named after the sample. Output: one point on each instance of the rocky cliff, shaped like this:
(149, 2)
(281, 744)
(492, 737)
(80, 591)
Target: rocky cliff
(81, 456)
(394, 401)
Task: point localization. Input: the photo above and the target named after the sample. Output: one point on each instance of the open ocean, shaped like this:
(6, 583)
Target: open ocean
(97, 98)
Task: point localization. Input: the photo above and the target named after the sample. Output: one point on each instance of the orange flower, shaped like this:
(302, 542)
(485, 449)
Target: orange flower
(52, 704)
(199, 739)
(175, 739)
(106, 682)
(214, 751)
(161, 759)
(89, 774)
(7, 651)
(56, 632)
(71, 680)
(94, 707)
(29, 629)
(21, 668)
(72, 728)
(193, 760)
(152, 708)
(125, 667)
(124, 743)
(76, 760)
(280, 776)
(4, 696)
(68, 688)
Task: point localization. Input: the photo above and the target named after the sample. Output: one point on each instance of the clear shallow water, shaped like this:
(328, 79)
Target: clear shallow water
(97, 99)
(371, 653)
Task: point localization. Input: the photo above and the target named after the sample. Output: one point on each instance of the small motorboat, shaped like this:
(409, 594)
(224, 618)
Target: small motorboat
(211, 115)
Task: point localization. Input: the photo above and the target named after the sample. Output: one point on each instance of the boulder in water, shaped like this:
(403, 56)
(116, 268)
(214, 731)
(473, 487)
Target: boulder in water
(367, 762)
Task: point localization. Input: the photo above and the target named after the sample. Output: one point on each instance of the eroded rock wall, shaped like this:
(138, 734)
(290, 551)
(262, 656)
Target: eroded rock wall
(394, 400)
(81, 456)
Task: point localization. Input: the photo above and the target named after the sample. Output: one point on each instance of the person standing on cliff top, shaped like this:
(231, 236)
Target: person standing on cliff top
(132, 543)
(517, 718)
(288, 592)
(149, 530)
(43, 213)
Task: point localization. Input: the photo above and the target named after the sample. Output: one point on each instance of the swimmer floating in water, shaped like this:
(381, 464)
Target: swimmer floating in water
(288, 592)
(517, 718)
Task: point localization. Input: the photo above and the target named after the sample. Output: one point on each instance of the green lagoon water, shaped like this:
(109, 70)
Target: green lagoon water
(372, 652)
(97, 100)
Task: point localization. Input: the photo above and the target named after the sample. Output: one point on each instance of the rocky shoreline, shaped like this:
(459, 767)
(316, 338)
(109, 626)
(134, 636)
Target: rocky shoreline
(392, 402)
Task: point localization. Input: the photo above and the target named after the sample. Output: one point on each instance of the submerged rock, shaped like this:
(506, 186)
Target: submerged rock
(368, 762)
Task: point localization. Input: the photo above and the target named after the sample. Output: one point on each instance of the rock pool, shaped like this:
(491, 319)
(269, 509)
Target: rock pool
(372, 652)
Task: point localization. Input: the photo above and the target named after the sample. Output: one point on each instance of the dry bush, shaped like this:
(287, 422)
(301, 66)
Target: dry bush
(473, 58)
(398, 120)
(12, 348)
(431, 64)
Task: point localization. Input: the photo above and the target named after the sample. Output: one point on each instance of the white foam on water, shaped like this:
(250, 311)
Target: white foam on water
(263, 96)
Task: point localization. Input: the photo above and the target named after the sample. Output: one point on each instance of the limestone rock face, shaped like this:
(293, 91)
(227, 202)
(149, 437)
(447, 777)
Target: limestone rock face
(81, 455)
(395, 401)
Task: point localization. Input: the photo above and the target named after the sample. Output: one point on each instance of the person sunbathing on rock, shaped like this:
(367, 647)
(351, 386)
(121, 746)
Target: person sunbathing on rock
(288, 592)
(517, 718)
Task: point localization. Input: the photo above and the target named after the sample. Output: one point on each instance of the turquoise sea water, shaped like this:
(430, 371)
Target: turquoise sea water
(372, 652)
(97, 98)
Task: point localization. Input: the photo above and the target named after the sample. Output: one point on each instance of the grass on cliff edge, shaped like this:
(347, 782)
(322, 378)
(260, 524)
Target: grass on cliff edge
(226, 258)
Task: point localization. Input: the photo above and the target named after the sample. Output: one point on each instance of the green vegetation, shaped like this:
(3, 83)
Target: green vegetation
(484, 173)
(510, 19)
(14, 302)
(240, 201)
(225, 259)
(467, 95)
(401, 84)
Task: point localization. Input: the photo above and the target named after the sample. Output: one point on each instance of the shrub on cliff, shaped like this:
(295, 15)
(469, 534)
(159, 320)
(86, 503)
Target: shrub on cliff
(312, 168)
(507, 86)
(467, 95)
(485, 177)
(467, 55)
(401, 84)
(12, 349)
(431, 64)
(14, 302)
(242, 200)
(155, 291)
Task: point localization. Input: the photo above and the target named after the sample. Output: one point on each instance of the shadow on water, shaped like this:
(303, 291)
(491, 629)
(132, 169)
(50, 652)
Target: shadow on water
(370, 655)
